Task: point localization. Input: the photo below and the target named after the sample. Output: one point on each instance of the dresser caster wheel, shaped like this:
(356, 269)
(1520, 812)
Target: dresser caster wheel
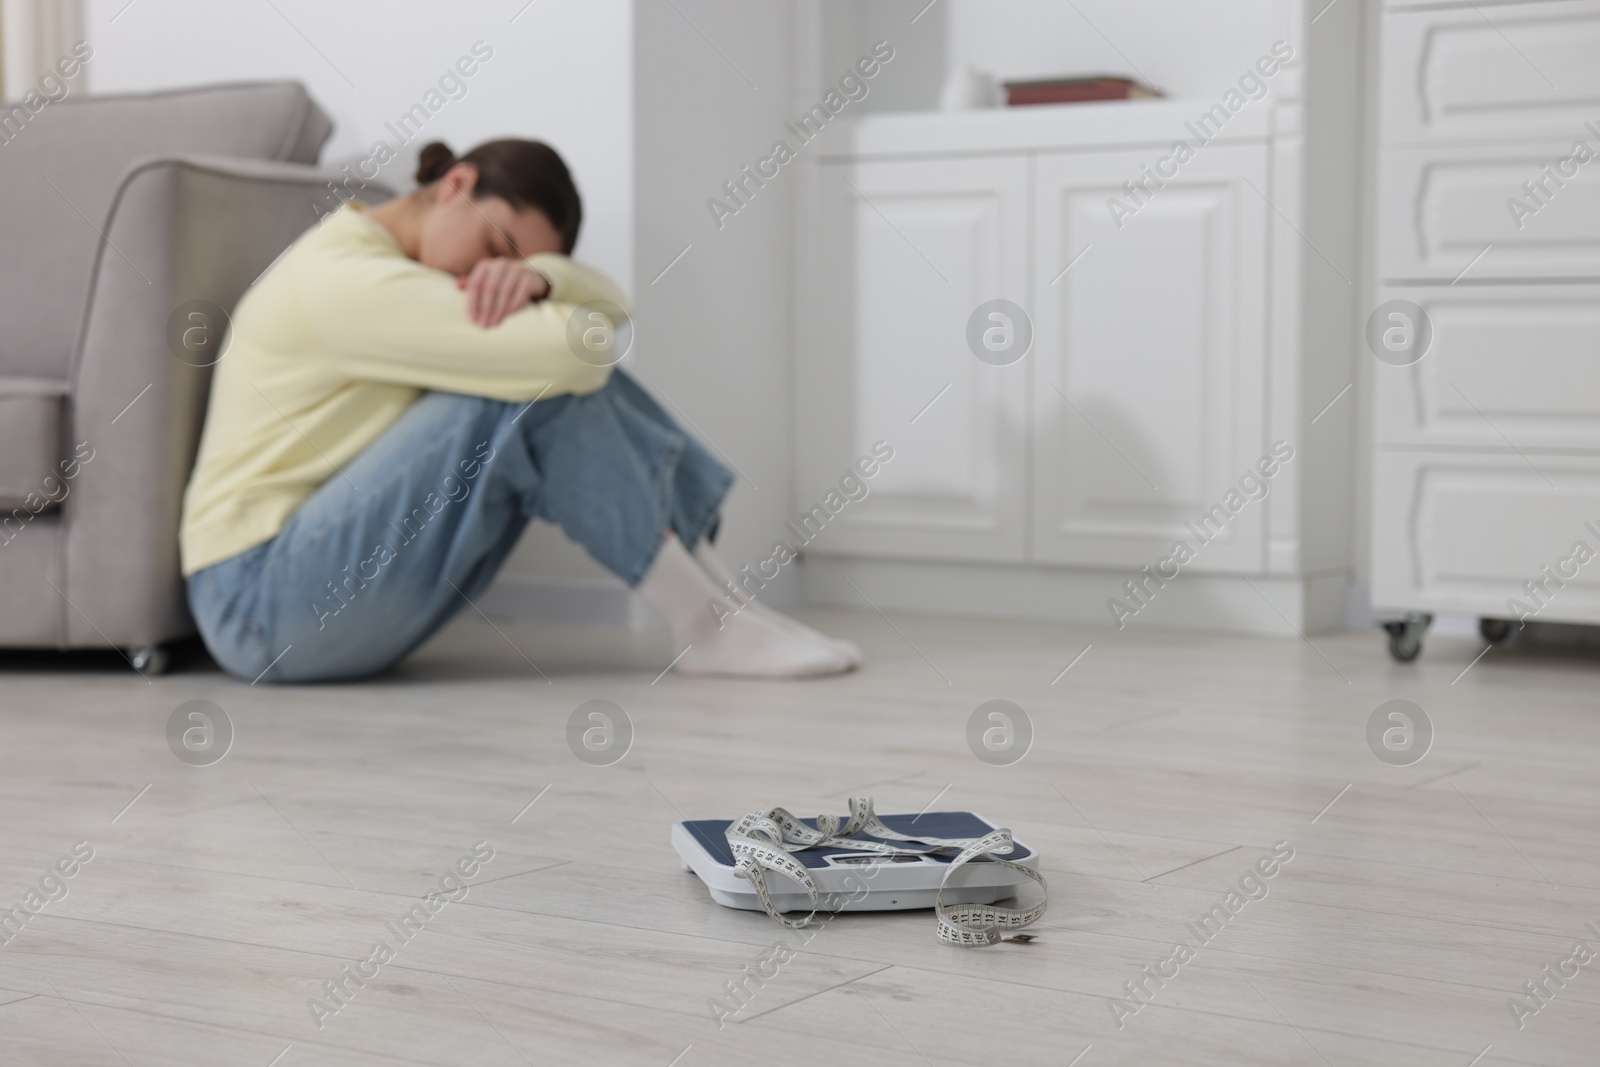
(1404, 647)
(1494, 631)
(1405, 636)
(149, 659)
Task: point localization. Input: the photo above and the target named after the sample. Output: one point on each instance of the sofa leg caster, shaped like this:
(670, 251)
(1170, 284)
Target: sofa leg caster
(148, 659)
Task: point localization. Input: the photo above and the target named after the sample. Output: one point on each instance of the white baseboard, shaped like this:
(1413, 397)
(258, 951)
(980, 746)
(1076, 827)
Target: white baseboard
(576, 601)
(1257, 605)
(1053, 594)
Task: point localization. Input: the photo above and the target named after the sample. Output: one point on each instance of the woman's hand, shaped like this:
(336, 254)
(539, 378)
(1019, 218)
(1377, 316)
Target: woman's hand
(496, 287)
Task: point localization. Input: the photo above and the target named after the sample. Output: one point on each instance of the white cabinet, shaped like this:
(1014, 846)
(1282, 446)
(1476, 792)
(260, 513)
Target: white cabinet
(1175, 340)
(907, 250)
(1486, 459)
(1149, 363)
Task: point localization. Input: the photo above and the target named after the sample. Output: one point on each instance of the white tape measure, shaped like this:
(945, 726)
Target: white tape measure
(868, 849)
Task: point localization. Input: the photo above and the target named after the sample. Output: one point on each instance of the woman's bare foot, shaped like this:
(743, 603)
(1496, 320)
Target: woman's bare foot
(746, 644)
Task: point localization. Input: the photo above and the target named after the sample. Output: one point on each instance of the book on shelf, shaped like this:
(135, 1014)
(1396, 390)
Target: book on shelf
(1076, 90)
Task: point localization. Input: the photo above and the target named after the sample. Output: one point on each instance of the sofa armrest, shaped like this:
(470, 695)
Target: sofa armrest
(30, 438)
(183, 235)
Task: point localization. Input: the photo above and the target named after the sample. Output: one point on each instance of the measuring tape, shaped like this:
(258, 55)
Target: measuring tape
(763, 841)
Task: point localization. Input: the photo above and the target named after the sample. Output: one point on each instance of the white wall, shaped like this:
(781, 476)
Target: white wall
(713, 333)
(562, 73)
(1183, 47)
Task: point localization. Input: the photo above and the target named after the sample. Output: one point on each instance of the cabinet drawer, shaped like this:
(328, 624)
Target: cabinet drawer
(1487, 71)
(1508, 366)
(1464, 532)
(1441, 208)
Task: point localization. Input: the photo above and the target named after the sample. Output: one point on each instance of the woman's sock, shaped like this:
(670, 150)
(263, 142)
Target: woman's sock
(745, 644)
(720, 573)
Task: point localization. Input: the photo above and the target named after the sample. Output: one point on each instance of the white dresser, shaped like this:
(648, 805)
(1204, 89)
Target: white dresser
(1486, 458)
(1172, 347)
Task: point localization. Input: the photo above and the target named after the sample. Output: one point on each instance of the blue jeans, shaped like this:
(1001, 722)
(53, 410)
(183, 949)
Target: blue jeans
(384, 554)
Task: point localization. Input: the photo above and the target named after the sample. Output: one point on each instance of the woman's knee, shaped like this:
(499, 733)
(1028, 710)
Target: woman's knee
(446, 420)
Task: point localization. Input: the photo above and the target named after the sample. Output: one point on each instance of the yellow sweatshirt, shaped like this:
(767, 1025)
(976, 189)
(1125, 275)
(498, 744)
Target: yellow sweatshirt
(331, 345)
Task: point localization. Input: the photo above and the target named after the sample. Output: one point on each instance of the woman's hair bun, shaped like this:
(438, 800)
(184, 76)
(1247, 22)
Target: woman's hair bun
(525, 174)
(436, 158)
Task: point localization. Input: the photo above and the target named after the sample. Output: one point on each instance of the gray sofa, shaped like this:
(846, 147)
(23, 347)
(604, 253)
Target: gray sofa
(130, 225)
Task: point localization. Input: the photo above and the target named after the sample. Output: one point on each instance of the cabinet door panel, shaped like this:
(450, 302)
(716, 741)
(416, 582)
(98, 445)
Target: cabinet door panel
(904, 254)
(1148, 377)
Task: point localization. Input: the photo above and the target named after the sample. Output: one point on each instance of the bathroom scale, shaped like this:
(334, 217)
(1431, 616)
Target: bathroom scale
(908, 879)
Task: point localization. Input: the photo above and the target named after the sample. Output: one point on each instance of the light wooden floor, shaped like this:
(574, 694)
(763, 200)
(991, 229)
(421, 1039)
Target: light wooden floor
(1164, 765)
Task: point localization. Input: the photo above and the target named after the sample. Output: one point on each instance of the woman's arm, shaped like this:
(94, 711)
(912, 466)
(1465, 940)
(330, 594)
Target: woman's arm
(498, 287)
(390, 319)
(572, 282)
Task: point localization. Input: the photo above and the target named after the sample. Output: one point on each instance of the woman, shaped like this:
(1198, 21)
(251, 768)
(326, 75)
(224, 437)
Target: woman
(399, 398)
